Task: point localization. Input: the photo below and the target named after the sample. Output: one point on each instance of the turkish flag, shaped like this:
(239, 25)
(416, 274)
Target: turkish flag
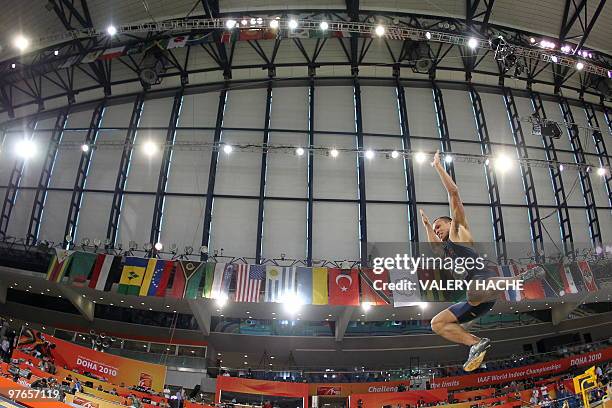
(343, 287)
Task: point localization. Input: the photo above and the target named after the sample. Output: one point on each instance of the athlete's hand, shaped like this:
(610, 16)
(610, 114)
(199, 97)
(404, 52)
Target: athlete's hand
(424, 218)
(436, 159)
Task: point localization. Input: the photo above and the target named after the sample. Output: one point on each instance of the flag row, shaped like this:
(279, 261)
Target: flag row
(188, 279)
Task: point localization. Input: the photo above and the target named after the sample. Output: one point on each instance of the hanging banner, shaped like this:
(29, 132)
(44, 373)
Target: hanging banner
(107, 367)
(519, 373)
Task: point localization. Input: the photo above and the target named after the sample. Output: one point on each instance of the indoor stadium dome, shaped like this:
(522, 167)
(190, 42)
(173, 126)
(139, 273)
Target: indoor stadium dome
(358, 203)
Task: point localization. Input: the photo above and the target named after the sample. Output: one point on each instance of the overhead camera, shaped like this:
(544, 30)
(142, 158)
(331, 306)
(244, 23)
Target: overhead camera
(544, 127)
(504, 53)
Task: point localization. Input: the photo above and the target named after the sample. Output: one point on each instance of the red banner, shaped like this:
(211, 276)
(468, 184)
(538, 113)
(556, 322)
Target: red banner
(346, 389)
(107, 367)
(261, 387)
(381, 399)
(519, 373)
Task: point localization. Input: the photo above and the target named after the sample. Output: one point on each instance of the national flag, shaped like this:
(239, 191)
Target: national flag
(101, 270)
(402, 281)
(209, 277)
(111, 53)
(341, 34)
(156, 277)
(148, 277)
(280, 283)
(248, 282)
(250, 35)
(536, 288)
(298, 33)
(510, 271)
(557, 278)
(177, 42)
(80, 267)
(587, 276)
(75, 59)
(91, 57)
(222, 279)
(59, 264)
(569, 286)
(319, 286)
(303, 277)
(428, 294)
(229, 36)
(369, 282)
(132, 275)
(194, 275)
(343, 287)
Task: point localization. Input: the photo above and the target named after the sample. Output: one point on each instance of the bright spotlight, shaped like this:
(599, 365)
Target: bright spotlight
(561, 167)
(25, 149)
(532, 40)
(380, 30)
(293, 24)
(244, 22)
(487, 162)
(228, 149)
(299, 151)
(420, 157)
(293, 303)
(554, 58)
(21, 43)
(324, 26)
(366, 306)
(56, 53)
(601, 171)
(159, 246)
(448, 158)
(472, 43)
(334, 152)
(149, 148)
(274, 24)
(111, 30)
(85, 148)
(395, 154)
(423, 305)
(428, 35)
(221, 300)
(579, 66)
(503, 163)
(369, 154)
(230, 24)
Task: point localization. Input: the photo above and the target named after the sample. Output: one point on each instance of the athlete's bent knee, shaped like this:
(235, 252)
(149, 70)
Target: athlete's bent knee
(438, 322)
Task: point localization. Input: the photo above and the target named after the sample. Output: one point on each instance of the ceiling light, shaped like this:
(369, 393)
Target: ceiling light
(369, 154)
(395, 154)
(324, 26)
(111, 30)
(579, 66)
(159, 246)
(380, 30)
(601, 171)
(472, 43)
(503, 163)
(428, 35)
(149, 148)
(228, 149)
(293, 24)
(274, 24)
(420, 157)
(21, 43)
(25, 149)
(221, 300)
(85, 148)
(299, 151)
(448, 158)
(230, 24)
(334, 152)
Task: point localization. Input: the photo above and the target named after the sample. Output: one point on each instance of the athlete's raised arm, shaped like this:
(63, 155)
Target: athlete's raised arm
(456, 205)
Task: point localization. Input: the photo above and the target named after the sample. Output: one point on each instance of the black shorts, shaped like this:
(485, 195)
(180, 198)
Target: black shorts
(464, 312)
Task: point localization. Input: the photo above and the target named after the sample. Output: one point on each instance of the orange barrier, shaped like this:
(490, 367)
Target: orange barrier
(261, 387)
(346, 389)
(6, 385)
(377, 400)
(471, 395)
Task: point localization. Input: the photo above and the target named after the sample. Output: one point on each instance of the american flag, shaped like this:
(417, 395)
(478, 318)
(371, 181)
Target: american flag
(248, 282)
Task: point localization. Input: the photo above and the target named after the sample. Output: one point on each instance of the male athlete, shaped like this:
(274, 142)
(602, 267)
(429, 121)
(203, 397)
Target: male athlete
(451, 237)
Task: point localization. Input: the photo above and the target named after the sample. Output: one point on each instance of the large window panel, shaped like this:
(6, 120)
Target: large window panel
(287, 174)
(156, 112)
(144, 168)
(33, 166)
(553, 112)
(117, 115)
(284, 230)
(93, 216)
(334, 108)
(182, 222)
(600, 191)
(105, 161)
(199, 110)
(481, 223)
(542, 180)
(571, 181)
(189, 168)
(580, 227)
(234, 226)
(428, 186)
(336, 177)
(516, 225)
(8, 156)
(460, 115)
(605, 224)
(586, 135)
(20, 216)
(385, 177)
(245, 108)
(387, 223)
(510, 181)
(335, 232)
(421, 112)
(380, 110)
(289, 108)
(136, 218)
(239, 172)
(497, 118)
(471, 178)
(81, 119)
(67, 160)
(54, 217)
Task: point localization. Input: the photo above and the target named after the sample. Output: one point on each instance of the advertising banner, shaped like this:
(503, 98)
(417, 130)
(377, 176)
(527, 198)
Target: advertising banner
(108, 367)
(519, 373)
(261, 387)
(381, 399)
(346, 389)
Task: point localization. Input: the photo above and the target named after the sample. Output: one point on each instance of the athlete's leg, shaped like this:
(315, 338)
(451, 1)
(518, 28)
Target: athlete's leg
(447, 325)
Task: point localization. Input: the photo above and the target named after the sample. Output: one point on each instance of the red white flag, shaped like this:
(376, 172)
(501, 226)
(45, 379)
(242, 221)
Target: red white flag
(587, 276)
(101, 269)
(343, 287)
(248, 282)
(111, 53)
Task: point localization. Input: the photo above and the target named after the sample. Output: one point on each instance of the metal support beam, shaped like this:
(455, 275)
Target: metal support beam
(262, 178)
(124, 167)
(82, 172)
(12, 188)
(492, 186)
(413, 219)
(600, 146)
(45, 176)
(442, 127)
(535, 224)
(343, 321)
(162, 181)
(212, 174)
(565, 225)
(311, 142)
(202, 312)
(85, 306)
(585, 180)
(361, 187)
